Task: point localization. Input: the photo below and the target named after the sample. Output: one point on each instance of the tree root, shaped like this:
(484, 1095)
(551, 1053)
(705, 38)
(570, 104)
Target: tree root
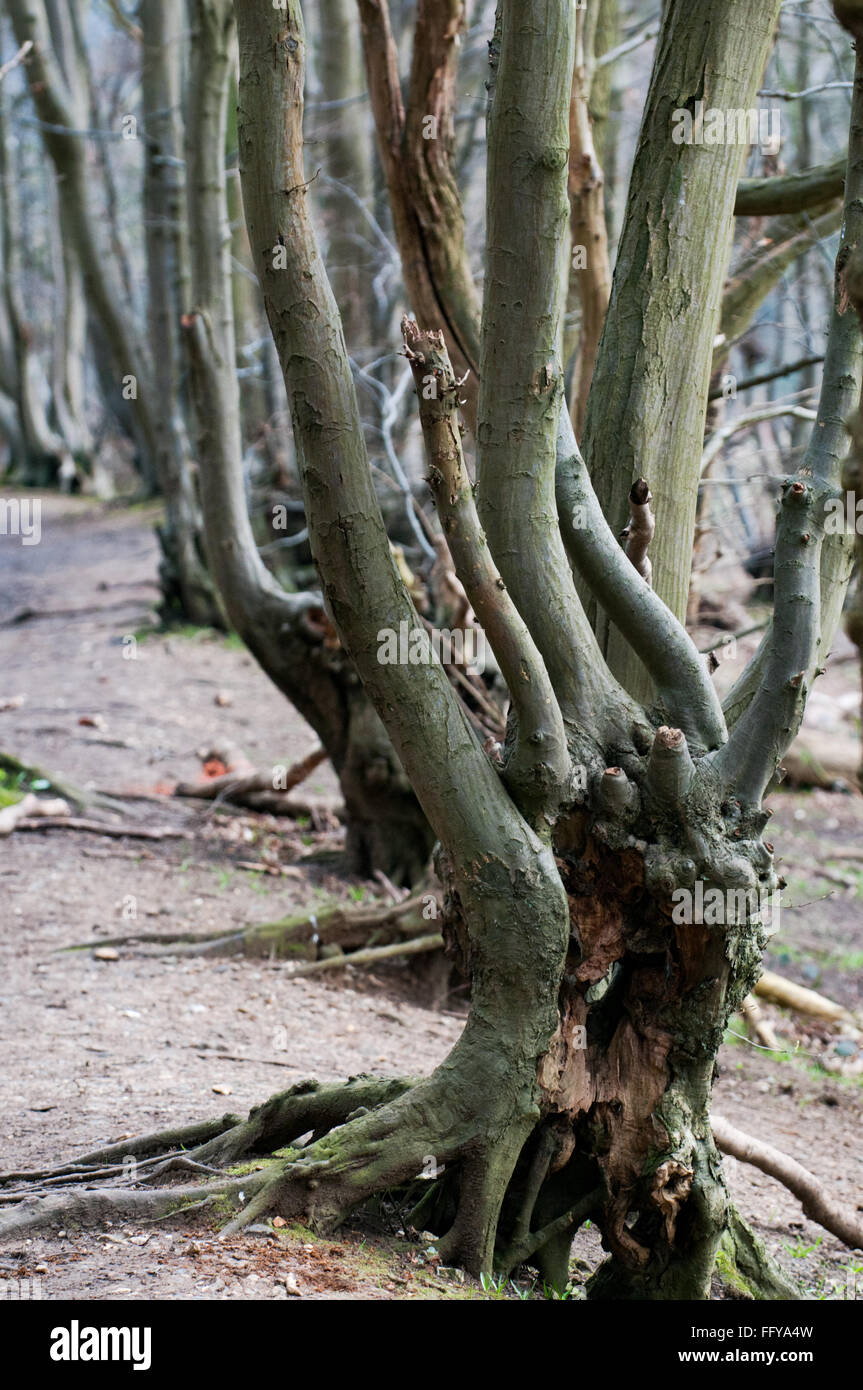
(157, 1145)
(778, 990)
(315, 1152)
(817, 1205)
(96, 1205)
(282, 1120)
(301, 937)
(744, 1269)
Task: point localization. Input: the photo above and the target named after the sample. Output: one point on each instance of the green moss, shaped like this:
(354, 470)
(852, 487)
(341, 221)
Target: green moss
(256, 1165)
(727, 1270)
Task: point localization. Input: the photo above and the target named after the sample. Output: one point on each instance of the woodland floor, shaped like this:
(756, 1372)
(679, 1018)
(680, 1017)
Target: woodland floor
(96, 1050)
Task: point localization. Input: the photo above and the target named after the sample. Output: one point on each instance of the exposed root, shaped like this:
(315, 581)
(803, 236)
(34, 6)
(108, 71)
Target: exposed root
(159, 1144)
(522, 1250)
(93, 1206)
(744, 1269)
(284, 1118)
(817, 1205)
(322, 1151)
(303, 937)
(267, 791)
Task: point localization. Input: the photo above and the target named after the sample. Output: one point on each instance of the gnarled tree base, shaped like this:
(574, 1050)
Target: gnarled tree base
(318, 1152)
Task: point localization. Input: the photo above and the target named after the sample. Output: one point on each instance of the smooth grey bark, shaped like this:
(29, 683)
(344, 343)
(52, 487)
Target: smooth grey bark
(41, 450)
(646, 412)
(186, 586)
(183, 579)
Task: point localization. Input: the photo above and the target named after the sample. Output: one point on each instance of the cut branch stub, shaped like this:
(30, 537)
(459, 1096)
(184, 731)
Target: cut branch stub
(617, 795)
(670, 769)
(639, 532)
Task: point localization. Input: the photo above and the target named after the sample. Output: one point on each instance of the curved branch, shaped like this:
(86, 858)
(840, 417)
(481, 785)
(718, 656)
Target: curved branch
(683, 684)
(416, 147)
(288, 634)
(538, 767)
(362, 586)
(647, 403)
(828, 443)
(840, 1222)
(767, 727)
(521, 382)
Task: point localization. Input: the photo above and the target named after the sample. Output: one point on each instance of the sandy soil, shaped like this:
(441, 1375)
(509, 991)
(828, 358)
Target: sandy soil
(95, 1050)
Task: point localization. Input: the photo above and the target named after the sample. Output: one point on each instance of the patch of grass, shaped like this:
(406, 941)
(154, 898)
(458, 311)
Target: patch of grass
(15, 782)
(800, 1250)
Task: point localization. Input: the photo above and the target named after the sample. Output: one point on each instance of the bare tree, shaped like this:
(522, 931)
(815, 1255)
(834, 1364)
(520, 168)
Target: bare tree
(56, 96)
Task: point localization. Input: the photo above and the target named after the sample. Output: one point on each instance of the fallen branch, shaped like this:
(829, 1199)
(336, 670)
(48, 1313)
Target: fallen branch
(759, 1025)
(98, 827)
(415, 946)
(805, 1001)
(300, 937)
(236, 786)
(846, 1225)
(30, 809)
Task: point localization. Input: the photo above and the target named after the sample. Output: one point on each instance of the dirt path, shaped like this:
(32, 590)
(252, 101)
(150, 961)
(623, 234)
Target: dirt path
(95, 1050)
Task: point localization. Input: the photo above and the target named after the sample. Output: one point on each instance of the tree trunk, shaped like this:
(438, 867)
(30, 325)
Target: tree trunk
(652, 372)
(290, 635)
(187, 589)
(55, 99)
(617, 1127)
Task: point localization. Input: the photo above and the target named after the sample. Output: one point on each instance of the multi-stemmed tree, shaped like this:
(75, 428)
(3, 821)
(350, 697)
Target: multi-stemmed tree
(580, 1087)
